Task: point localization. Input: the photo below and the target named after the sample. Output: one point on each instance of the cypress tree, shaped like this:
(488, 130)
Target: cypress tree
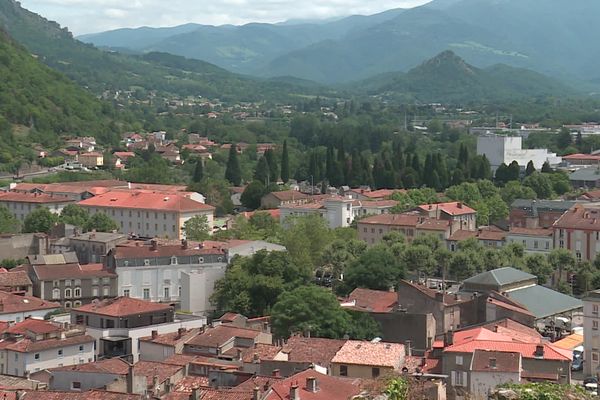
(273, 170)
(546, 167)
(530, 168)
(198, 171)
(233, 172)
(329, 164)
(261, 173)
(285, 163)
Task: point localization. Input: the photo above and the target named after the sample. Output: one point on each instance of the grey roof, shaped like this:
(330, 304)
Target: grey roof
(99, 237)
(500, 277)
(544, 302)
(533, 206)
(586, 174)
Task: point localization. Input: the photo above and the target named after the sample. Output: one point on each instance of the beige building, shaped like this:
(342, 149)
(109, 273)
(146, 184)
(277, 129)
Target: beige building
(372, 229)
(361, 359)
(149, 214)
(91, 160)
(591, 333)
(288, 197)
(578, 230)
(21, 204)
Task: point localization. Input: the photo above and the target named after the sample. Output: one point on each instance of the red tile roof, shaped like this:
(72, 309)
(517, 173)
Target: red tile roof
(121, 252)
(28, 346)
(530, 232)
(124, 154)
(229, 317)
(452, 208)
(318, 351)
(123, 306)
(114, 366)
(579, 156)
(36, 326)
(172, 338)
(12, 303)
(449, 299)
(368, 353)
(214, 337)
(329, 387)
(181, 359)
(496, 361)
(189, 382)
(580, 217)
(462, 235)
(90, 395)
(374, 300)
(491, 234)
(73, 271)
(288, 195)
(262, 351)
(150, 369)
(36, 198)
(212, 394)
(135, 199)
(14, 279)
(509, 306)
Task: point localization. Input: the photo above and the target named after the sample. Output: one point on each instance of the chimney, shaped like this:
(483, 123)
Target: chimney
(276, 373)
(459, 205)
(294, 392)
(154, 334)
(539, 351)
(448, 339)
(184, 244)
(408, 347)
(255, 358)
(311, 384)
(180, 333)
(130, 379)
(256, 393)
(153, 245)
(195, 393)
(423, 362)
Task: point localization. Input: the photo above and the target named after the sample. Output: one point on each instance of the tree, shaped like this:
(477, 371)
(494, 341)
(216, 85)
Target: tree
(252, 195)
(541, 185)
(261, 173)
(100, 222)
(8, 222)
(233, 172)
(305, 239)
(515, 190)
(561, 260)
(339, 254)
(530, 168)
(309, 310)
(273, 169)
(546, 167)
(285, 163)
(197, 228)
(40, 220)
(419, 257)
(74, 215)
(376, 269)
(362, 326)
(513, 171)
(198, 171)
(564, 138)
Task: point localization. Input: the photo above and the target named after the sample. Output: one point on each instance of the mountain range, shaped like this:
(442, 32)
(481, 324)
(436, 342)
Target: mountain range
(554, 37)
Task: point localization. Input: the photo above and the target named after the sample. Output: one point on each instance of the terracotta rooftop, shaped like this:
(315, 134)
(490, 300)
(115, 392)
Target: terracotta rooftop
(368, 353)
(171, 338)
(142, 200)
(289, 195)
(491, 234)
(580, 217)
(262, 351)
(329, 387)
(73, 271)
(121, 252)
(114, 366)
(36, 326)
(27, 345)
(496, 361)
(318, 351)
(462, 235)
(452, 208)
(579, 156)
(14, 279)
(212, 394)
(89, 395)
(12, 303)
(189, 382)
(150, 369)
(229, 317)
(123, 306)
(374, 300)
(37, 198)
(449, 299)
(530, 232)
(214, 337)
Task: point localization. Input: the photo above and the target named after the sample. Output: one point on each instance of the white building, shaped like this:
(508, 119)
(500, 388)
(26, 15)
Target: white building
(505, 149)
(34, 345)
(148, 213)
(339, 212)
(591, 333)
(533, 240)
(21, 204)
(15, 308)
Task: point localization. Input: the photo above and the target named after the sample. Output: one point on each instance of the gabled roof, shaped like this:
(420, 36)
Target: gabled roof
(36, 326)
(150, 369)
(544, 302)
(500, 277)
(318, 351)
(288, 195)
(374, 300)
(12, 303)
(329, 387)
(73, 271)
(452, 208)
(89, 395)
(143, 200)
(585, 174)
(379, 354)
(122, 252)
(496, 361)
(14, 278)
(37, 198)
(28, 345)
(123, 306)
(114, 366)
(214, 337)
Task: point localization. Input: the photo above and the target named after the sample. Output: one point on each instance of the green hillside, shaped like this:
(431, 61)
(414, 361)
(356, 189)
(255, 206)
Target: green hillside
(448, 78)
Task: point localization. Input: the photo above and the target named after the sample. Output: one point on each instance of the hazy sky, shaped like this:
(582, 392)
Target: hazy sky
(87, 16)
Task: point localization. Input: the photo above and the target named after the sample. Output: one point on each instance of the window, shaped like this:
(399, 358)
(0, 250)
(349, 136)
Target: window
(173, 260)
(77, 292)
(595, 325)
(106, 280)
(68, 293)
(459, 360)
(126, 292)
(595, 309)
(60, 353)
(166, 292)
(67, 304)
(55, 284)
(56, 293)
(561, 244)
(458, 378)
(95, 291)
(77, 282)
(594, 356)
(547, 245)
(146, 293)
(535, 244)
(77, 303)
(81, 348)
(106, 291)
(375, 372)
(79, 319)
(365, 230)
(343, 370)
(36, 356)
(67, 282)
(578, 256)
(75, 385)
(179, 291)
(95, 281)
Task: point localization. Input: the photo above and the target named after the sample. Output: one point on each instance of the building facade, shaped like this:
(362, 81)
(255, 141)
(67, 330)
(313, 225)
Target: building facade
(22, 204)
(591, 333)
(578, 230)
(501, 149)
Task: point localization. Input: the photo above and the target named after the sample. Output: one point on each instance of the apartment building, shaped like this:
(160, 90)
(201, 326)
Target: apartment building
(22, 204)
(149, 213)
(591, 333)
(372, 229)
(16, 308)
(578, 230)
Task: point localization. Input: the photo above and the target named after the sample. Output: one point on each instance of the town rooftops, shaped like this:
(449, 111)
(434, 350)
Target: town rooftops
(500, 277)
(123, 306)
(289, 195)
(544, 302)
(36, 326)
(318, 351)
(28, 345)
(98, 237)
(496, 361)
(580, 217)
(452, 208)
(142, 200)
(36, 198)
(123, 252)
(530, 231)
(114, 366)
(326, 387)
(379, 354)
(12, 303)
(214, 337)
(373, 300)
(73, 271)
(14, 279)
(586, 174)
(171, 338)
(150, 369)
(89, 395)
(261, 352)
(445, 298)
(534, 206)
(412, 220)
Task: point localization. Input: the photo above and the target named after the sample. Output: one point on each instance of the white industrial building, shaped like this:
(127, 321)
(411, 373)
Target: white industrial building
(505, 149)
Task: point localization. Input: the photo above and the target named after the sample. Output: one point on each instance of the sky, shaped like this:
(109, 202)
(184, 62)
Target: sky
(90, 16)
